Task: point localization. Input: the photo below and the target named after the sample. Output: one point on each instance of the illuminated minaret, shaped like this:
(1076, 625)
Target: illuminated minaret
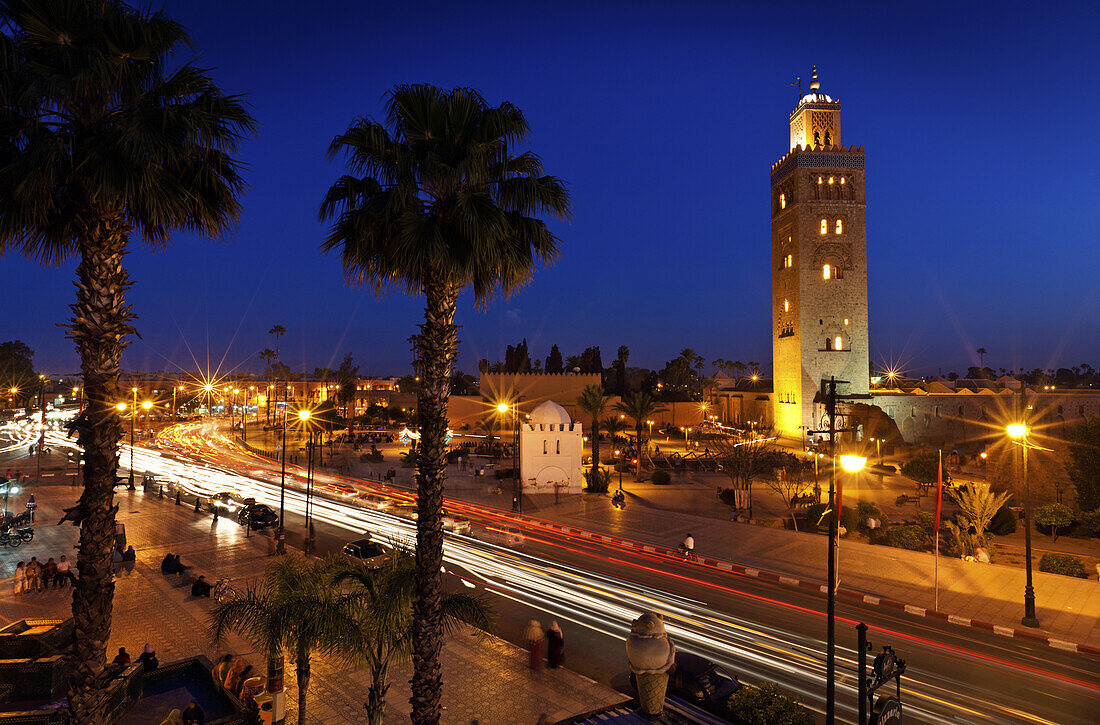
(819, 265)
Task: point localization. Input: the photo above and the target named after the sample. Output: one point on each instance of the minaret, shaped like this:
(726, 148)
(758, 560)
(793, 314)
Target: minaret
(819, 265)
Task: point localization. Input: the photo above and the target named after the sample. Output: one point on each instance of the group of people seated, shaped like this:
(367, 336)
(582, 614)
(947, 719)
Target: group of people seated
(171, 564)
(234, 675)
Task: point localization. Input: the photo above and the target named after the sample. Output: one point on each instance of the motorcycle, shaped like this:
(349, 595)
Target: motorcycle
(25, 533)
(9, 539)
(618, 500)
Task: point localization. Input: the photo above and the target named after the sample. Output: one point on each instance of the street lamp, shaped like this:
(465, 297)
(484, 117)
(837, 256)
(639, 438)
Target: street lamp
(851, 464)
(133, 415)
(1018, 432)
(303, 417)
(517, 493)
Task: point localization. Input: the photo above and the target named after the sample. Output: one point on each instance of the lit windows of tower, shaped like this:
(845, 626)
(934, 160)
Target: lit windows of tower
(824, 227)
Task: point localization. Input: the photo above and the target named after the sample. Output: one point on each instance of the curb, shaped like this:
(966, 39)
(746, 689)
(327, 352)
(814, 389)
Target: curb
(851, 595)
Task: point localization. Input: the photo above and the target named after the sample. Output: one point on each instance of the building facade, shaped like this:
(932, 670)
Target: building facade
(819, 266)
(551, 445)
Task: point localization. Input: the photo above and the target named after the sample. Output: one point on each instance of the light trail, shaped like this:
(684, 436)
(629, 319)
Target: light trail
(603, 602)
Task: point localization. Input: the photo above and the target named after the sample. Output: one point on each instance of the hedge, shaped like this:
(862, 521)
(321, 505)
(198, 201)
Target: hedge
(1063, 564)
(660, 477)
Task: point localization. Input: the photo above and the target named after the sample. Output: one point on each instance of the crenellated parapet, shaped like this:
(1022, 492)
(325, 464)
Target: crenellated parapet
(818, 157)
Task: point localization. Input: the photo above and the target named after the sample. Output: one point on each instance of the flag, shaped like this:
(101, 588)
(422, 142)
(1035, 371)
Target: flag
(939, 498)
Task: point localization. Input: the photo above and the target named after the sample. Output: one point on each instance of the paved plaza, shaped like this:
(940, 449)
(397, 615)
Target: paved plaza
(484, 678)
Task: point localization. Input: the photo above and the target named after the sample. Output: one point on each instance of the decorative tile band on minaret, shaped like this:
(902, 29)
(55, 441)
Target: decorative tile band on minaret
(819, 265)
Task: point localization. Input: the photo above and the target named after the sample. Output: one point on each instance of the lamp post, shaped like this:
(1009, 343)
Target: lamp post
(133, 416)
(280, 544)
(1019, 432)
(41, 425)
(303, 416)
(517, 492)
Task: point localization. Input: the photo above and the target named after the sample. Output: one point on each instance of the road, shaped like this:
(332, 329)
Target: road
(758, 630)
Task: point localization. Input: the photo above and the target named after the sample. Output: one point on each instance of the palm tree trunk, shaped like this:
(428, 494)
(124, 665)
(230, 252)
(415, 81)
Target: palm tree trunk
(435, 353)
(376, 695)
(100, 324)
(301, 667)
(638, 445)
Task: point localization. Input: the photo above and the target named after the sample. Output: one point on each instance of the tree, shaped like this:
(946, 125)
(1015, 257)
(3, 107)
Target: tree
(347, 377)
(591, 361)
(977, 506)
(436, 201)
(620, 369)
(267, 355)
(553, 360)
(591, 401)
(295, 608)
(382, 602)
(923, 469)
(745, 458)
(789, 483)
(1055, 515)
(639, 407)
(768, 704)
(104, 137)
(1083, 466)
(981, 358)
(278, 331)
(614, 426)
(16, 367)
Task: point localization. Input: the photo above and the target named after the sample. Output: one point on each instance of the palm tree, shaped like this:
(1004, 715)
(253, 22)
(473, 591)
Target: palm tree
(591, 401)
(981, 358)
(296, 609)
(103, 138)
(442, 203)
(623, 356)
(383, 602)
(639, 407)
(278, 331)
(267, 355)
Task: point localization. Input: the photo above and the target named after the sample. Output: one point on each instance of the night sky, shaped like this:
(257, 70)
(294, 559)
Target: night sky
(664, 119)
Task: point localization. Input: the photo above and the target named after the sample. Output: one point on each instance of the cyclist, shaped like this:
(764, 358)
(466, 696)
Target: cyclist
(688, 547)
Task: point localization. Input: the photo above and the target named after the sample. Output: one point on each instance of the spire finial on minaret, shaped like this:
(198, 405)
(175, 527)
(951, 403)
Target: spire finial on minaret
(814, 85)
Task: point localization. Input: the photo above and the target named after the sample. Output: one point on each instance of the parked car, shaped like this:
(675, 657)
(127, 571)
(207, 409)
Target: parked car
(702, 683)
(258, 515)
(500, 535)
(370, 554)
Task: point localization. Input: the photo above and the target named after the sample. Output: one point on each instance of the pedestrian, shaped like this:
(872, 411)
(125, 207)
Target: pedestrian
(49, 572)
(122, 658)
(534, 639)
(149, 658)
(194, 715)
(64, 572)
(20, 581)
(34, 575)
(555, 645)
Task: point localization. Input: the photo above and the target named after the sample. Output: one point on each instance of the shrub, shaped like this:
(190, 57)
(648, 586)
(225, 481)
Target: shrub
(867, 510)
(1003, 522)
(1092, 522)
(726, 496)
(660, 477)
(1052, 517)
(596, 480)
(849, 519)
(768, 704)
(813, 514)
(906, 536)
(1063, 564)
(925, 520)
(375, 457)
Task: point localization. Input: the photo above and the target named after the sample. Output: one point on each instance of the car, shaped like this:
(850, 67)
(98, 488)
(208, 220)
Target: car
(375, 501)
(227, 503)
(501, 535)
(454, 524)
(369, 554)
(258, 515)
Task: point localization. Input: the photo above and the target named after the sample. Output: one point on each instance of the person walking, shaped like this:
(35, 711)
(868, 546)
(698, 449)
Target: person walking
(533, 637)
(20, 580)
(555, 645)
(64, 572)
(34, 575)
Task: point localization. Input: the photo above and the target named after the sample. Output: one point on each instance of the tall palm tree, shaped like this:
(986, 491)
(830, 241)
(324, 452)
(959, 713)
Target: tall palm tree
(267, 355)
(639, 407)
(102, 138)
(296, 609)
(383, 604)
(437, 200)
(591, 401)
(278, 331)
(623, 356)
(981, 358)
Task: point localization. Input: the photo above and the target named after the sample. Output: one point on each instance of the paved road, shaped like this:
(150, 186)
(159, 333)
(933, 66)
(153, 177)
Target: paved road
(758, 630)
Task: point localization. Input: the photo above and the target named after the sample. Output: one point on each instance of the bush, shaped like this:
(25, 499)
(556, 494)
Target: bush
(906, 536)
(726, 496)
(1092, 522)
(375, 457)
(1053, 517)
(1063, 564)
(660, 478)
(596, 480)
(1003, 522)
(813, 514)
(503, 473)
(768, 705)
(867, 510)
(849, 519)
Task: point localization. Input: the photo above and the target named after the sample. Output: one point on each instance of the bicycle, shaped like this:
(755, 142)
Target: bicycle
(688, 554)
(224, 591)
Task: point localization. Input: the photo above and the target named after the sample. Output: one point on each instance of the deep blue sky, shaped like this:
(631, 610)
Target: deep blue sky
(982, 179)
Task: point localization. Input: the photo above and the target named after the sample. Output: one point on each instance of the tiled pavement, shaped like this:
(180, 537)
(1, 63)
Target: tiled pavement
(484, 678)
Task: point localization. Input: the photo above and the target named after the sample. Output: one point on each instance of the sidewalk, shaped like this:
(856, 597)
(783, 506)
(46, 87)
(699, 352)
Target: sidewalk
(1068, 608)
(485, 679)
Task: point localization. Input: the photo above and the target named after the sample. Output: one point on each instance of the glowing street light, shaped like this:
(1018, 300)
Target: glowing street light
(1018, 432)
(853, 464)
